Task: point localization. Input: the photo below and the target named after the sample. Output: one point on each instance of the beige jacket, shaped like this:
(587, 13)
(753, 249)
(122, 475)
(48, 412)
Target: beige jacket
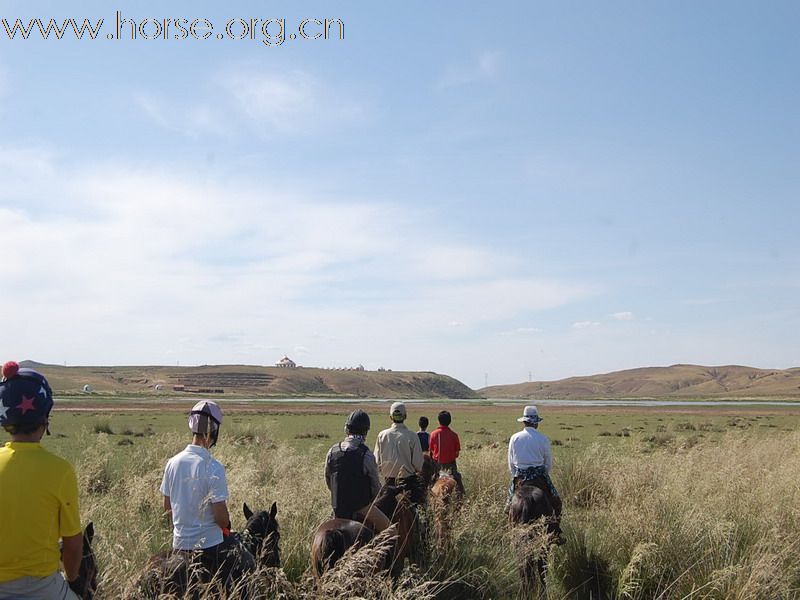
(398, 452)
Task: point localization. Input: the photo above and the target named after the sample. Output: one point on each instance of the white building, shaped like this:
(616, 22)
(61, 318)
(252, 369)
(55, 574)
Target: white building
(286, 363)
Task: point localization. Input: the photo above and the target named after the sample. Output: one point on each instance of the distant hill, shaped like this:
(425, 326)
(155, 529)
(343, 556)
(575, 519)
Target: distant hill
(251, 381)
(676, 381)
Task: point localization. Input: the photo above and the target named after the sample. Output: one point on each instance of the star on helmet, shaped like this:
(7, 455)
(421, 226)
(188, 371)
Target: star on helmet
(26, 404)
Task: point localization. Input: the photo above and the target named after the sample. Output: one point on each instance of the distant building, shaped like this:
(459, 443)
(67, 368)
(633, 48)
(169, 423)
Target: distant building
(360, 368)
(286, 363)
(87, 388)
(179, 388)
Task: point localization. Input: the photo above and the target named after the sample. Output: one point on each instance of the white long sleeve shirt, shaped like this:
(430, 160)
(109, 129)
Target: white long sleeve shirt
(529, 448)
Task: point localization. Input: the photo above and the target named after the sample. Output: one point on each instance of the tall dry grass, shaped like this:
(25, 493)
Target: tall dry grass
(695, 521)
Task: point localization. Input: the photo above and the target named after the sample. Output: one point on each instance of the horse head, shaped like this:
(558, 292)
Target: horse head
(262, 535)
(428, 472)
(85, 585)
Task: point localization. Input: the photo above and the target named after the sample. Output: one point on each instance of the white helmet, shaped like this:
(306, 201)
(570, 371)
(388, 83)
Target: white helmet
(205, 419)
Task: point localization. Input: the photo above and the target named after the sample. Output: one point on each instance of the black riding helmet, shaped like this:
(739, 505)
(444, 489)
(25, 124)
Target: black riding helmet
(357, 423)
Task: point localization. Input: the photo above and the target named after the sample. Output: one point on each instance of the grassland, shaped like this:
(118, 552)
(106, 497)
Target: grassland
(248, 381)
(659, 503)
(676, 381)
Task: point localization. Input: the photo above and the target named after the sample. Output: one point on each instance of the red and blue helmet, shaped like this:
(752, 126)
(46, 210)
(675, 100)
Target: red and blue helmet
(25, 398)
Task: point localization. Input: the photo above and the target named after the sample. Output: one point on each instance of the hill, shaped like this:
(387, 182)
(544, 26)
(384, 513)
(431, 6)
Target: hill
(250, 381)
(676, 381)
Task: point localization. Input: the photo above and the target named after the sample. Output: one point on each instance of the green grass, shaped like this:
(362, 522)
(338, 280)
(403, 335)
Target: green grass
(686, 505)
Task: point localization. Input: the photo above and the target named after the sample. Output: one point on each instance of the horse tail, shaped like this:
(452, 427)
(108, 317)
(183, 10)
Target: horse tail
(330, 546)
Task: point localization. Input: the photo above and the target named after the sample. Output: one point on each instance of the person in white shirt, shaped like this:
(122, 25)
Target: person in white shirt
(530, 460)
(195, 494)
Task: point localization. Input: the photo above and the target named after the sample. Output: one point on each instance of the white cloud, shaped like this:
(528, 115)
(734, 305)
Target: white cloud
(245, 99)
(623, 316)
(585, 324)
(484, 67)
(190, 119)
(522, 331)
(145, 265)
(289, 102)
(527, 330)
(278, 100)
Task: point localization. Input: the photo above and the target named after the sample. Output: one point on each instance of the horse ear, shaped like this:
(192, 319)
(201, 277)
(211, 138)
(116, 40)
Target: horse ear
(273, 510)
(247, 512)
(89, 531)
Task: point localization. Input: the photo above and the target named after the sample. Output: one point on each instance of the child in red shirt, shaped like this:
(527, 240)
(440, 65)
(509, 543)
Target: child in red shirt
(445, 448)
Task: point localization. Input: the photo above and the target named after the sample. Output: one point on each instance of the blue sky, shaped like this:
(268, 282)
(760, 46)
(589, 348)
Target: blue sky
(488, 191)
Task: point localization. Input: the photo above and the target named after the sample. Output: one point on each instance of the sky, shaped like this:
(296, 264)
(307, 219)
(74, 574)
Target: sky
(496, 191)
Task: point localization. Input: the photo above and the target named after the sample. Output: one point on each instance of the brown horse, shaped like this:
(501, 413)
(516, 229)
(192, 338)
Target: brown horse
(530, 506)
(177, 573)
(335, 536)
(442, 500)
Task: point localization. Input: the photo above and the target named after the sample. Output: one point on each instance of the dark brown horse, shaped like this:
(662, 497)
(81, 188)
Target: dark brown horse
(335, 536)
(85, 585)
(176, 573)
(430, 470)
(530, 507)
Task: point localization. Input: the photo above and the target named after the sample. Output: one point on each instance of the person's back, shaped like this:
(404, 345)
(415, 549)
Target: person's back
(351, 475)
(529, 448)
(530, 461)
(38, 495)
(195, 493)
(397, 449)
(194, 480)
(350, 485)
(445, 446)
(423, 435)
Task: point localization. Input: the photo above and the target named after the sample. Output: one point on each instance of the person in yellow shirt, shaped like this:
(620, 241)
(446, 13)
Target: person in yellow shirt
(38, 496)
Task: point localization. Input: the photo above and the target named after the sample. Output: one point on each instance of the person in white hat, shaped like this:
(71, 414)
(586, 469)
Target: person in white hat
(398, 452)
(530, 460)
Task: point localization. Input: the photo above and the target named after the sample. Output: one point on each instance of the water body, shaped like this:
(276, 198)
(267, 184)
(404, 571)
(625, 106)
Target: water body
(655, 403)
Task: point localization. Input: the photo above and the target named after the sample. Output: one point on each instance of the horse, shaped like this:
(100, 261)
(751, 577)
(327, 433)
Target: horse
(530, 506)
(443, 498)
(257, 545)
(335, 536)
(85, 584)
(430, 470)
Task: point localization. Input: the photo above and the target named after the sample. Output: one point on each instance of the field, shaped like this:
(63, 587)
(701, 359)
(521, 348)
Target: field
(672, 502)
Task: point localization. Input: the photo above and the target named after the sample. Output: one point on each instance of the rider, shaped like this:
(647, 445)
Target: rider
(195, 494)
(38, 495)
(423, 435)
(445, 448)
(399, 454)
(352, 475)
(530, 459)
